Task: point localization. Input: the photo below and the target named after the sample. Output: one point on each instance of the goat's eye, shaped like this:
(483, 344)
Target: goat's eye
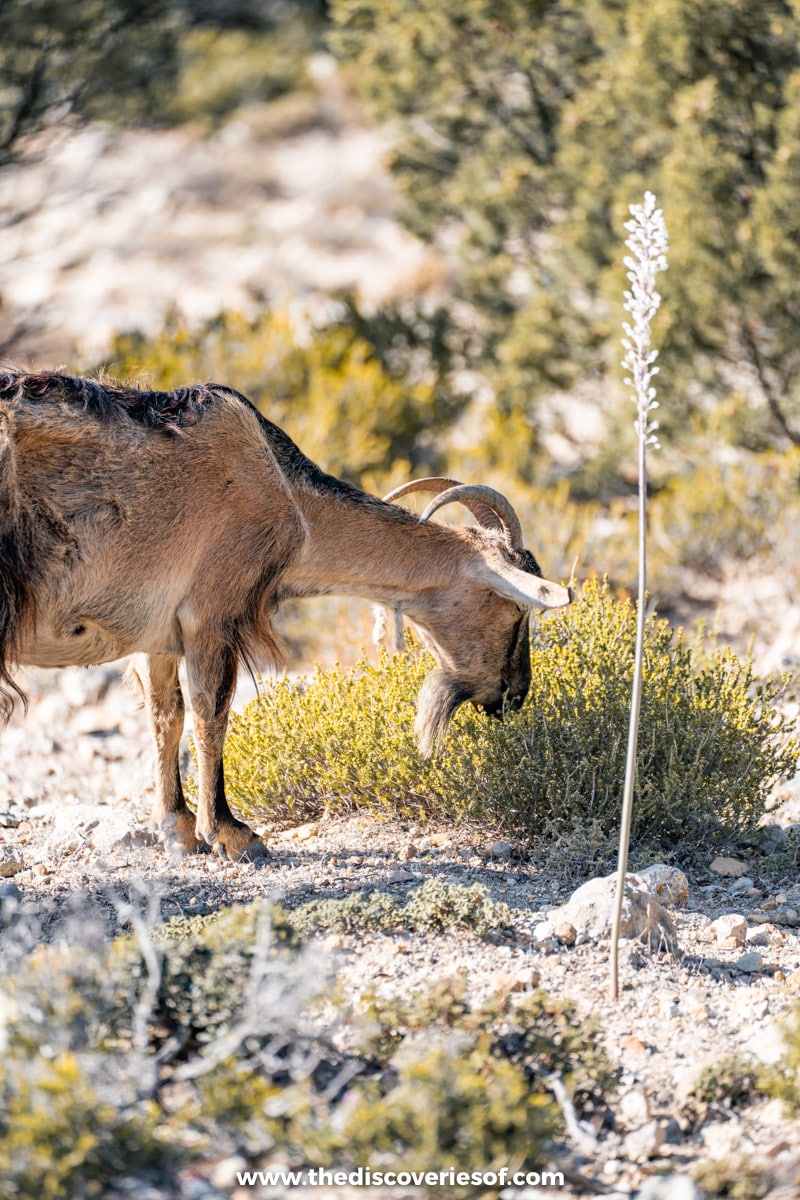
(78, 630)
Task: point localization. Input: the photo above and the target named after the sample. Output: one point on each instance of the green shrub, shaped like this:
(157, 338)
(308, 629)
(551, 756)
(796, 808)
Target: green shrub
(450, 1101)
(61, 1139)
(537, 1033)
(735, 1178)
(731, 1082)
(711, 744)
(433, 907)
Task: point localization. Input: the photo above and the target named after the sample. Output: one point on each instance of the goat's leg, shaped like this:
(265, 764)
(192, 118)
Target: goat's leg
(157, 676)
(212, 677)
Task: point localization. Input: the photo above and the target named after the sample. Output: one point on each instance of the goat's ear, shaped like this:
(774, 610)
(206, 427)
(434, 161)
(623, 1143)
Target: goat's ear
(521, 587)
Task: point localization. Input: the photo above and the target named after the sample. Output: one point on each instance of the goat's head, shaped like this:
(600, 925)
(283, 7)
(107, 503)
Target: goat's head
(476, 624)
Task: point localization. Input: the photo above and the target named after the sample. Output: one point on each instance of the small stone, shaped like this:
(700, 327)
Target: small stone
(408, 852)
(225, 1173)
(543, 931)
(669, 1187)
(759, 936)
(742, 886)
(565, 933)
(633, 1107)
(785, 916)
(401, 876)
(528, 978)
(333, 942)
(749, 962)
(304, 833)
(500, 850)
(643, 1143)
(8, 820)
(722, 1138)
(792, 980)
(730, 867)
(516, 981)
(771, 838)
(633, 1045)
(10, 861)
(731, 928)
(590, 909)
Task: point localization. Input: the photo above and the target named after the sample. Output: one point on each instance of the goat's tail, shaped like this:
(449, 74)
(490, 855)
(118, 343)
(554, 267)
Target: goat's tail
(16, 597)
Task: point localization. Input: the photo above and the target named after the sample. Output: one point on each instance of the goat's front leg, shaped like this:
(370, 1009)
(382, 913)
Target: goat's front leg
(157, 676)
(211, 667)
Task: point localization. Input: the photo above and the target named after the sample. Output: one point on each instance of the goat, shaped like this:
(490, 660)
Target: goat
(169, 525)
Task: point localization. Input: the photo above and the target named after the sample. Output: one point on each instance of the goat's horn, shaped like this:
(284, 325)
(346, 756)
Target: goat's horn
(478, 499)
(477, 495)
(434, 484)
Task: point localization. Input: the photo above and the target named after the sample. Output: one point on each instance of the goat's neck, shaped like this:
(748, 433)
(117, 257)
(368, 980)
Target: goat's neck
(362, 550)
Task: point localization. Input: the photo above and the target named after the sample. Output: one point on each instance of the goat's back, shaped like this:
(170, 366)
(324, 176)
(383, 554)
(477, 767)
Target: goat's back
(134, 516)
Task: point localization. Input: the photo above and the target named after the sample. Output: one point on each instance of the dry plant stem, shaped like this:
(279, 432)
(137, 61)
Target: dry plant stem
(633, 725)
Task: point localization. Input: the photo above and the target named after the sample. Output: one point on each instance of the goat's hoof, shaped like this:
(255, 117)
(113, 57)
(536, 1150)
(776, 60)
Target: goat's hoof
(176, 832)
(252, 851)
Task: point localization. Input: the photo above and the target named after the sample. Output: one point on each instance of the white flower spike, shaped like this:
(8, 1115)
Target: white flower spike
(648, 255)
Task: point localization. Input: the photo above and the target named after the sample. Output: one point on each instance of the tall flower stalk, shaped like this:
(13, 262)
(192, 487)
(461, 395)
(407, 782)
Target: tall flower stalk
(647, 243)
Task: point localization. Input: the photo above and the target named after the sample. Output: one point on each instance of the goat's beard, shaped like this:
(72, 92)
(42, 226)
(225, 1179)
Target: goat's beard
(439, 697)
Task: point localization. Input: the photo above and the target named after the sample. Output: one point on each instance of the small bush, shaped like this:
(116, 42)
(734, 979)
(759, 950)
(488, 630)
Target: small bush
(735, 1178)
(730, 1083)
(60, 1136)
(711, 745)
(433, 907)
(538, 1033)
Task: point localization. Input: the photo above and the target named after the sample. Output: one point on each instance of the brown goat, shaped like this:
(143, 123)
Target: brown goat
(169, 525)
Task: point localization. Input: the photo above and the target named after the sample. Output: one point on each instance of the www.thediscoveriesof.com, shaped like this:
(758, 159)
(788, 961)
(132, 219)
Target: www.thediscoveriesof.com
(364, 1177)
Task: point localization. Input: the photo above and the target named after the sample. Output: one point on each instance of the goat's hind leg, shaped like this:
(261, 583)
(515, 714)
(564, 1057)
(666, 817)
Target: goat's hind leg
(212, 677)
(157, 676)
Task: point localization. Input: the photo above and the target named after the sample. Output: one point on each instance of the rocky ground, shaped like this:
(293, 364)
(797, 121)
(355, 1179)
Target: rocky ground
(75, 791)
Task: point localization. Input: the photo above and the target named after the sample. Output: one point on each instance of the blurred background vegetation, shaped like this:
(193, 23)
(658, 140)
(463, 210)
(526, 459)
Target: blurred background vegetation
(519, 131)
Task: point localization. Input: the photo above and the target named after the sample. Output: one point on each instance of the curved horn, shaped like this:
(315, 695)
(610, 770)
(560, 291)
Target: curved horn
(434, 484)
(478, 499)
(479, 495)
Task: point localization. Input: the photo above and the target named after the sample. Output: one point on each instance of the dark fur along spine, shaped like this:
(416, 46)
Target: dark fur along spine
(16, 601)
